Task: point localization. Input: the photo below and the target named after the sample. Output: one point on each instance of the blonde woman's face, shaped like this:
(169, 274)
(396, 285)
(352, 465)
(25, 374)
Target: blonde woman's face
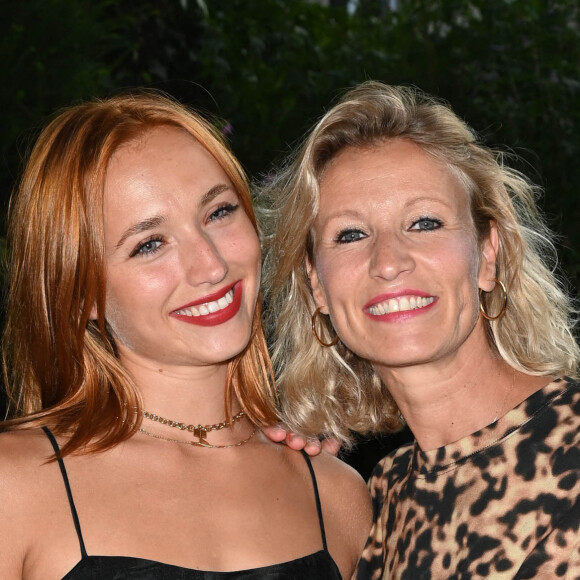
(396, 261)
(182, 257)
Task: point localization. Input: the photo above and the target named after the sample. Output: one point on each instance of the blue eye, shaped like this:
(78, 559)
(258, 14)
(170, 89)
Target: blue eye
(426, 224)
(223, 211)
(147, 248)
(349, 236)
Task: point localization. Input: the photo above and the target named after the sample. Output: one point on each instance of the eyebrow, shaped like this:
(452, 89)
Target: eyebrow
(140, 227)
(155, 221)
(354, 213)
(424, 198)
(213, 193)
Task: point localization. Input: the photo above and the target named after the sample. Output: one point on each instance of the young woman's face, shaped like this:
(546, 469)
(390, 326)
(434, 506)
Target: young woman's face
(182, 257)
(396, 260)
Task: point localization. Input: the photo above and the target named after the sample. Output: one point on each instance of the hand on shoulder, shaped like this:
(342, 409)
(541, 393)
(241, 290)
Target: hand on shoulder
(281, 434)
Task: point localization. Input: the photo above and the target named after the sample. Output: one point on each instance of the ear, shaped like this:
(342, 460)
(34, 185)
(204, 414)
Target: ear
(317, 289)
(489, 251)
(93, 315)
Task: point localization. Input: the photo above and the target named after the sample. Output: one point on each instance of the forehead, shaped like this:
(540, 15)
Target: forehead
(161, 142)
(166, 159)
(166, 174)
(395, 167)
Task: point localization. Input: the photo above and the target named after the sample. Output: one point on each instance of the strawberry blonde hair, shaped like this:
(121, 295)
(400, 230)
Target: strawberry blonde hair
(60, 367)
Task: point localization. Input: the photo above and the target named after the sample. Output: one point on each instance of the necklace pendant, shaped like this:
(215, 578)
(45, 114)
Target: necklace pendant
(201, 434)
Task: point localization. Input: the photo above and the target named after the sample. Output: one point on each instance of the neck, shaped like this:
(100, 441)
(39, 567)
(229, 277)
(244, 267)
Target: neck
(444, 401)
(188, 394)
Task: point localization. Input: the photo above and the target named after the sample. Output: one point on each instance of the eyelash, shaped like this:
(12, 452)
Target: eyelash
(222, 212)
(228, 208)
(140, 249)
(436, 224)
(340, 237)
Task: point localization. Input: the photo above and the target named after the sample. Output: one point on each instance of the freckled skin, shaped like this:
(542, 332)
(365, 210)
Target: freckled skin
(196, 247)
(502, 503)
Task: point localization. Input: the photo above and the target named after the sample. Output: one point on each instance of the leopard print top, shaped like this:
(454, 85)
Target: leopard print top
(501, 503)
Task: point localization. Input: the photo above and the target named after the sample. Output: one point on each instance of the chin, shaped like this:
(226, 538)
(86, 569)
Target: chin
(226, 353)
(401, 359)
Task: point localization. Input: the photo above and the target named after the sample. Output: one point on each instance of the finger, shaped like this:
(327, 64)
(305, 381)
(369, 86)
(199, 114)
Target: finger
(313, 447)
(295, 441)
(331, 446)
(276, 433)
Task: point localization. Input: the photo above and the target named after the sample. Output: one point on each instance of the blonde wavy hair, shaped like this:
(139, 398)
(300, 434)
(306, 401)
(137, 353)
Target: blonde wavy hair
(60, 367)
(332, 391)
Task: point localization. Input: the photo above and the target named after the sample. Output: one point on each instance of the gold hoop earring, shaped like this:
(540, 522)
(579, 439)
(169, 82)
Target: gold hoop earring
(505, 301)
(332, 343)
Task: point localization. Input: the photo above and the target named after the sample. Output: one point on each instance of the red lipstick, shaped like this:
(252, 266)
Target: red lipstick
(213, 318)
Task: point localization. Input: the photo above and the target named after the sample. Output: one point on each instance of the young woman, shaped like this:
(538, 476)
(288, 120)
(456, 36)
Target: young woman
(138, 371)
(408, 283)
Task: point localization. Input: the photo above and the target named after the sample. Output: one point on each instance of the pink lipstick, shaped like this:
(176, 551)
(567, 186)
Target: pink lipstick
(399, 305)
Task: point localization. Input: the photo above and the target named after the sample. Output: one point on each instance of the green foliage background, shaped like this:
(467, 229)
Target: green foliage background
(511, 68)
(270, 68)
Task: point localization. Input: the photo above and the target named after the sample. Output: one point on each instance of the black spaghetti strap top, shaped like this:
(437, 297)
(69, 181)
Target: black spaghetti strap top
(319, 565)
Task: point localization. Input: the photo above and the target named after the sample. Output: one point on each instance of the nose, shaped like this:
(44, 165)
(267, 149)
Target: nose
(203, 262)
(390, 256)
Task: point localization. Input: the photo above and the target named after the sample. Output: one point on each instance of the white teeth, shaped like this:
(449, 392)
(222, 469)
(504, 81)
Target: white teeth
(401, 304)
(208, 307)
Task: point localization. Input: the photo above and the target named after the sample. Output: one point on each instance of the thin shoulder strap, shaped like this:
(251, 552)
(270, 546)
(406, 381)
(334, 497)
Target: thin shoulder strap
(317, 498)
(73, 509)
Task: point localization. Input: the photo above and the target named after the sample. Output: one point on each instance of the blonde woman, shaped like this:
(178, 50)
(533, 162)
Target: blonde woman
(410, 281)
(138, 371)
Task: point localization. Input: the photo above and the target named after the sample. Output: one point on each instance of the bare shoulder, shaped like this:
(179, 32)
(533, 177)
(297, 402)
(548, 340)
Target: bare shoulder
(23, 464)
(23, 457)
(22, 452)
(346, 505)
(341, 485)
(332, 472)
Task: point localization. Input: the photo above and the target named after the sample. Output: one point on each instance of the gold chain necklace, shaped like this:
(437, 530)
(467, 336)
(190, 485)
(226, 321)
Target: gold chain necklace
(199, 431)
(198, 443)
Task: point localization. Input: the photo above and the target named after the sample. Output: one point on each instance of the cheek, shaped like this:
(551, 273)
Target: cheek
(460, 259)
(255, 267)
(338, 280)
(474, 268)
(130, 296)
(255, 254)
(119, 322)
(462, 266)
(133, 287)
(246, 249)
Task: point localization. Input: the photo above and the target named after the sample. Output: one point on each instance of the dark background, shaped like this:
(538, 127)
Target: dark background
(270, 68)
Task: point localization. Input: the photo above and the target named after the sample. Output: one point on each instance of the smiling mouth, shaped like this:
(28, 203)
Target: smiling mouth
(208, 307)
(402, 304)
